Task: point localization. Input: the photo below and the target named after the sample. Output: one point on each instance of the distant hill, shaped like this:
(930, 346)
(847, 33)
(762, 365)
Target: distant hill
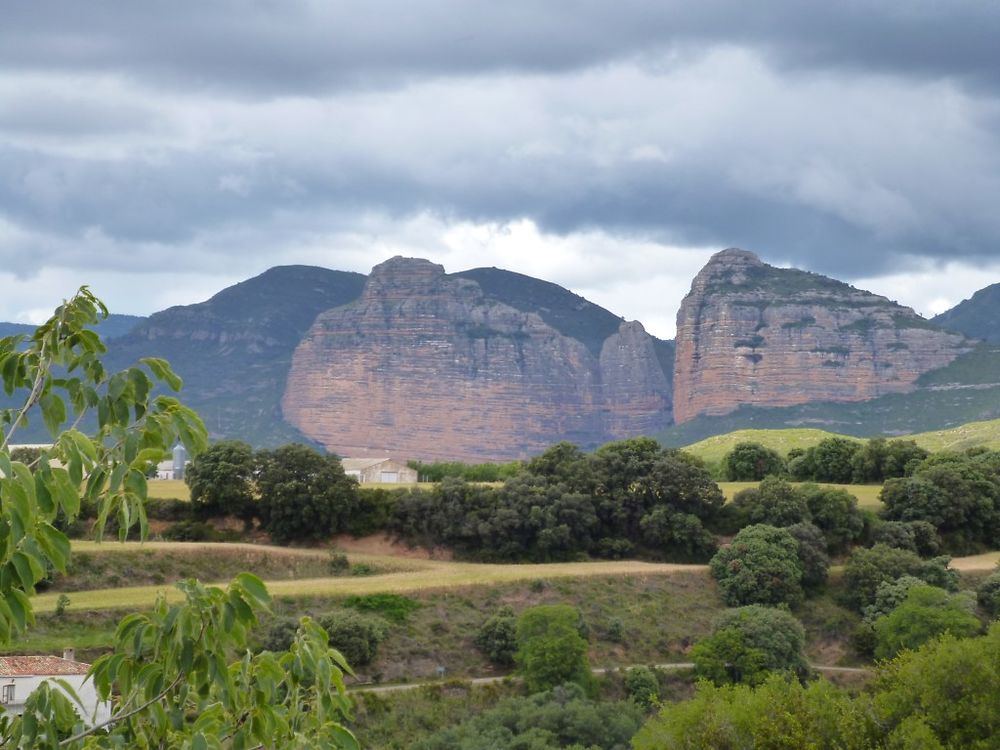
(234, 350)
(114, 326)
(978, 317)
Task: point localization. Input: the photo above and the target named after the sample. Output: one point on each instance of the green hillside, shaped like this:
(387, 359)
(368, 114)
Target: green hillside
(712, 450)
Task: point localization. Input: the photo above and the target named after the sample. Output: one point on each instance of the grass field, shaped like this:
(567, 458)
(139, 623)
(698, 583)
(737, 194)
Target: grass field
(170, 489)
(867, 494)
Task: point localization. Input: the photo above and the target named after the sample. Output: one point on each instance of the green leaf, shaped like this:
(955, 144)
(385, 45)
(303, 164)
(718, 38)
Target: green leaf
(55, 544)
(255, 587)
(161, 371)
(53, 412)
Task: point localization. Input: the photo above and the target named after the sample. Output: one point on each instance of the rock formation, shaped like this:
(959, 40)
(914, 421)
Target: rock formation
(435, 366)
(750, 333)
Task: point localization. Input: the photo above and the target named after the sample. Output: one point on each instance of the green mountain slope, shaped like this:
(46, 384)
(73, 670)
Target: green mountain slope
(978, 317)
(234, 350)
(114, 326)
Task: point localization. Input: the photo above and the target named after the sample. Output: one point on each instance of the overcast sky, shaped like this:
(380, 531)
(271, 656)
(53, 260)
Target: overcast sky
(160, 151)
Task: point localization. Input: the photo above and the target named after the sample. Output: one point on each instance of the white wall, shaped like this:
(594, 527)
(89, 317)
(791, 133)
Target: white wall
(92, 711)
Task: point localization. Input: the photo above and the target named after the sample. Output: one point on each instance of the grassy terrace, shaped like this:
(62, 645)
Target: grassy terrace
(404, 575)
(407, 575)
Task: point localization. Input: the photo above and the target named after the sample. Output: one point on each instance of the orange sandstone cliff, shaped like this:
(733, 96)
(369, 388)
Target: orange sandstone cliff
(483, 365)
(750, 333)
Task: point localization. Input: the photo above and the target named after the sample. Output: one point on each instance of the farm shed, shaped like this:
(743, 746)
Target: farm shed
(382, 470)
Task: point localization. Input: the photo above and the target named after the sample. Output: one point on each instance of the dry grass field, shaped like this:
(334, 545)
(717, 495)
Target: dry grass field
(410, 575)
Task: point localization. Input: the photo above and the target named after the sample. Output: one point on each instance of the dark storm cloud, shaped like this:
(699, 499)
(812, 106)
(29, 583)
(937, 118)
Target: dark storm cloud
(296, 46)
(845, 137)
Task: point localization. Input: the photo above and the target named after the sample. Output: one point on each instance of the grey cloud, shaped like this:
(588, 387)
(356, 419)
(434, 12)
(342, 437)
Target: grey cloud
(68, 114)
(297, 46)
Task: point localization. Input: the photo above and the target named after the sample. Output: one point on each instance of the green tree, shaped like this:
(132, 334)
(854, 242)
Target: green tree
(560, 718)
(833, 459)
(988, 595)
(751, 462)
(926, 613)
(835, 512)
(221, 480)
(959, 496)
(866, 569)
(304, 495)
(169, 677)
(749, 643)
(551, 650)
(950, 685)
(812, 555)
(780, 714)
(761, 566)
(774, 502)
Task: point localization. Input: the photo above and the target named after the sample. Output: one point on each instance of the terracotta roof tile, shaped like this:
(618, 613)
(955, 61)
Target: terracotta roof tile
(25, 666)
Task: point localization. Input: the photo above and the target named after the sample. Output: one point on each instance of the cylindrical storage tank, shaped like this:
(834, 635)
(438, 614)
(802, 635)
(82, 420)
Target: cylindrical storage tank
(180, 459)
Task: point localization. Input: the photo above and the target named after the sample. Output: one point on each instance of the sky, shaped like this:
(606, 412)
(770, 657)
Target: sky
(160, 151)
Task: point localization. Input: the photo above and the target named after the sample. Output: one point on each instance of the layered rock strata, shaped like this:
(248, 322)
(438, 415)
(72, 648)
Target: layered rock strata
(427, 365)
(750, 333)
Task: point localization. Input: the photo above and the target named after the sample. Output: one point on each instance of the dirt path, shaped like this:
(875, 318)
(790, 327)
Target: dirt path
(363, 688)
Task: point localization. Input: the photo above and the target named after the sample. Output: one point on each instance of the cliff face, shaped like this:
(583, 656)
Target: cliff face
(750, 333)
(434, 366)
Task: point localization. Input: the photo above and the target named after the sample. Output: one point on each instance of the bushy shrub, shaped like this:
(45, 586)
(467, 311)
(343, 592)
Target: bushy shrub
(371, 511)
(896, 534)
(551, 650)
(355, 635)
(497, 637)
(190, 531)
(395, 608)
(280, 634)
(642, 686)
(988, 595)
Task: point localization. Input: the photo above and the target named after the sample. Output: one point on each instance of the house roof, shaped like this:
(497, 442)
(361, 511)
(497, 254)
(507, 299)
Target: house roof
(357, 464)
(27, 666)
